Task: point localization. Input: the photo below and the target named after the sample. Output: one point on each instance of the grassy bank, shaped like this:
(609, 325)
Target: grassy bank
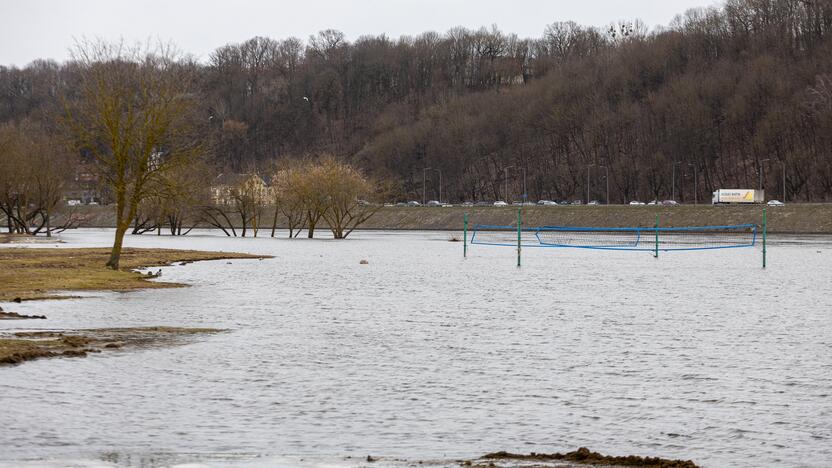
(792, 218)
(19, 347)
(29, 274)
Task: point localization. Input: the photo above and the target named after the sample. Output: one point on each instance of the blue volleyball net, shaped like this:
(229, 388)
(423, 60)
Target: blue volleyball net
(625, 238)
(505, 236)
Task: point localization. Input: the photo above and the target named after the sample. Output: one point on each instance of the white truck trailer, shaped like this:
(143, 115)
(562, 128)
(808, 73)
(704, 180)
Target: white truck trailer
(738, 196)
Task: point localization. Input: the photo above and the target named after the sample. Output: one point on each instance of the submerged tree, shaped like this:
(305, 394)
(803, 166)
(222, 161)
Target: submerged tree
(348, 195)
(287, 198)
(133, 114)
(325, 190)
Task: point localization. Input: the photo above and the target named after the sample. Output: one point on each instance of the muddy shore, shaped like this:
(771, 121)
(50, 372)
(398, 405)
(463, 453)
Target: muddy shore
(22, 346)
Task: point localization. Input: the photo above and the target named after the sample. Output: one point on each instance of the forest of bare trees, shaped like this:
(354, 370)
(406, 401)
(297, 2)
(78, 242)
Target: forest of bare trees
(723, 97)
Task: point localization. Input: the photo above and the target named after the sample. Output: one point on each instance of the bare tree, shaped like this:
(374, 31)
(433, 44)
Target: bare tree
(286, 186)
(134, 115)
(348, 196)
(33, 174)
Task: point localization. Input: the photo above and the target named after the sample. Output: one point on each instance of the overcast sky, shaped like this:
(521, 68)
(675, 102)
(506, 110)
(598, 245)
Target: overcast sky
(31, 29)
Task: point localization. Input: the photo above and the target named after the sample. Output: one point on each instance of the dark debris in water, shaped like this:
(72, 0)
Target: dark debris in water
(582, 456)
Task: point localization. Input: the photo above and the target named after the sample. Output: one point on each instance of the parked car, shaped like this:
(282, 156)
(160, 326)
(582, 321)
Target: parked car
(670, 202)
(413, 203)
(776, 203)
(653, 202)
(433, 203)
(577, 202)
(500, 203)
(635, 203)
(547, 203)
(468, 203)
(483, 203)
(401, 204)
(594, 203)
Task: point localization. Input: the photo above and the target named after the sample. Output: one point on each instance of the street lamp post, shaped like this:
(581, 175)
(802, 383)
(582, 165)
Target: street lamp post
(424, 185)
(783, 163)
(695, 187)
(505, 170)
(587, 182)
(673, 182)
(440, 184)
(607, 177)
(525, 191)
(761, 172)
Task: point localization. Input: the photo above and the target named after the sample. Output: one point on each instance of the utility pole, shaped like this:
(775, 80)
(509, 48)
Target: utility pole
(525, 192)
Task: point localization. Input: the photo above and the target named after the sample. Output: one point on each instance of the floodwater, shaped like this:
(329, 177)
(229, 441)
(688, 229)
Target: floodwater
(423, 355)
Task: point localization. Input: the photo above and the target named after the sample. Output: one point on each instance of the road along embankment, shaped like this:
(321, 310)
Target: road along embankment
(788, 219)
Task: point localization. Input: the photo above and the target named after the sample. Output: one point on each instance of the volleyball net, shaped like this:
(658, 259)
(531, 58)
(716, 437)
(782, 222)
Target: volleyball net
(624, 238)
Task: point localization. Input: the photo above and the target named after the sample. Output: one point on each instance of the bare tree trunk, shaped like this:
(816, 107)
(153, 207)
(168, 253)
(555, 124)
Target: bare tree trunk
(274, 220)
(115, 254)
(48, 223)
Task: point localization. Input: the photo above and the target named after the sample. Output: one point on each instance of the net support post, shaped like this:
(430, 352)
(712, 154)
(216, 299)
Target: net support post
(765, 228)
(465, 235)
(519, 233)
(656, 251)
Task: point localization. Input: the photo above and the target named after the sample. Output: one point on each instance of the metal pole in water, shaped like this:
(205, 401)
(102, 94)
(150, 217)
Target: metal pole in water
(764, 237)
(465, 236)
(656, 255)
(519, 228)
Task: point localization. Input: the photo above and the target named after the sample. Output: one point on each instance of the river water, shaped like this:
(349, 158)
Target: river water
(421, 354)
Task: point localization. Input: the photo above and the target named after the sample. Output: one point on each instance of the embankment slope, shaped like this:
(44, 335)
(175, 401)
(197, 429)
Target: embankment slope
(788, 219)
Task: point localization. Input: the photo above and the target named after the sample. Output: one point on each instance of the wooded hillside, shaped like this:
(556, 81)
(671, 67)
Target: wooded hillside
(721, 94)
